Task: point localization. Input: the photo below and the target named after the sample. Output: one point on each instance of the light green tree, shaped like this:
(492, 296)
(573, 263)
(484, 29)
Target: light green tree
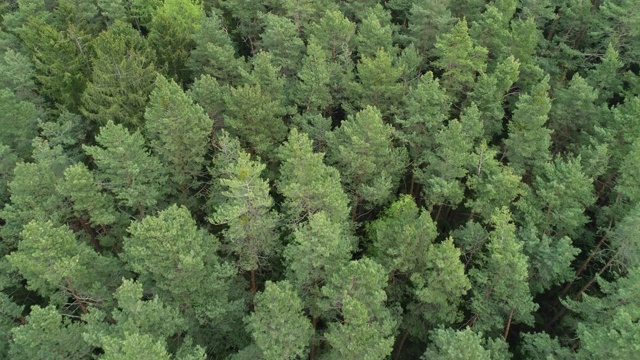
(127, 169)
(459, 58)
(171, 33)
(48, 334)
(501, 293)
(449, 344)
(246, 211)
(362, 326)
(527, 146)
(371, 166)
(278, 325)
(308, 185)
(178, 131)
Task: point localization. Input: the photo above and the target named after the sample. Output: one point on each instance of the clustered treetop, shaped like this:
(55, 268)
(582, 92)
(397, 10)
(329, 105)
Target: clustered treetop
(323, 179)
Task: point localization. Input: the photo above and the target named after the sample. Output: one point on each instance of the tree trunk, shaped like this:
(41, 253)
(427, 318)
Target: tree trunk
(254, 288)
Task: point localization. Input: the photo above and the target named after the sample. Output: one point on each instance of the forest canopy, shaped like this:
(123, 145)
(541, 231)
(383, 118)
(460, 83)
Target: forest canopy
(323, 179)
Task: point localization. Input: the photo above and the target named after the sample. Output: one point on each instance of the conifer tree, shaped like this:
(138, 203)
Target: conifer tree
(126, 168)
(307, 184)
(33, 193)
(278, 325)
(19, 122)
(459, 58)
(178, 262)
(501, 294)
(48, 334)
(282, 40)
(61, 60)
(375, 33)
(138, 329)
(247, 213)
(312, 91)
(379, 84)
(449, 344)
(527, 147)
(214, 53)
(178, 131)
(363, 327)
(362, 150)
(122, 77)
(428, 19)
(254, 111)
(59, 267)
(172, 30)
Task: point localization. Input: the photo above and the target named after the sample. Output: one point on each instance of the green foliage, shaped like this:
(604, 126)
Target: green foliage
(178, 131)
(527, 146)
(33, 193)
(48, 334)
(459, 58)
(501, 294)
(307, 184)
(281, 38)
(122, 77)
(214, 53)
(449, 344)
(362, 150)
(247, 212)
(607, 325)
(126, 168)
(172, 30)
(355, 294)
(86, 196)
(312, 92)
(61, 60)
(402, 237)
(254, 111)
(19, 123)
(317, 250)
(57, 266)
(279, 334)
(379, 83)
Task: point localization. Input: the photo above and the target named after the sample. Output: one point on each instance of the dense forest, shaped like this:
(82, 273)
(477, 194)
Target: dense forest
(323, 179)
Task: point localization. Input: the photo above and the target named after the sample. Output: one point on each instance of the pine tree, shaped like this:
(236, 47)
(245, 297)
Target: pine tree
(61, 60)
(171, 33)
(374, 33)
(312, 91)
(138, 329)
(362, 150)
(19, 122)
(33, 193)
(501, 293)
(318, 249)
(48, 334)
(379, 84)
(247, 213)
(178, 131)
(527, 147)
(214, 53)
(459, 58)
(254, 111)
(607, 325)
(59, 267)
(449, 344)
(427, 20)
(178, 262)
(126, 168)
(122, 77)
(307, 184)
(363, 327)
(281, 39)
(279, 334)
